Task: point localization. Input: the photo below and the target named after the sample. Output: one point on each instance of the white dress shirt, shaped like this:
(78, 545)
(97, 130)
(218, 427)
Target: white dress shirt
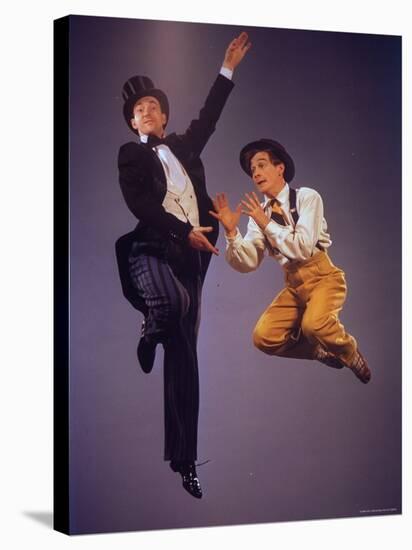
(284, 243)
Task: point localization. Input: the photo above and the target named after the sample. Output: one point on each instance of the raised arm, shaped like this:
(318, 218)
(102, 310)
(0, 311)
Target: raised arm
(200, 129)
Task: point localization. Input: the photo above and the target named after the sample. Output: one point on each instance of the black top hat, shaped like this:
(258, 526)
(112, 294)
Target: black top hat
(137, 87)
(268, 144)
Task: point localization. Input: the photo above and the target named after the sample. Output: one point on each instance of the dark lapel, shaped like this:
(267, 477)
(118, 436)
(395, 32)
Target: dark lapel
(156, 166)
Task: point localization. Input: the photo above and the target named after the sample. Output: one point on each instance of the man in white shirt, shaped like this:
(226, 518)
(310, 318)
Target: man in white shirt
(289, 226)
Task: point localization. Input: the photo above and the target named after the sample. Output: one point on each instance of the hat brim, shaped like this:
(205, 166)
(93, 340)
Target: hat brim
(268, 144)
(131, 102)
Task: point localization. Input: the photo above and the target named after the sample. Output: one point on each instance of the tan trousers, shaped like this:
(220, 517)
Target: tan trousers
(305, 313)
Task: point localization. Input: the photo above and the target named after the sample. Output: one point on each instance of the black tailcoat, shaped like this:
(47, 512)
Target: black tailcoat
(143, 184)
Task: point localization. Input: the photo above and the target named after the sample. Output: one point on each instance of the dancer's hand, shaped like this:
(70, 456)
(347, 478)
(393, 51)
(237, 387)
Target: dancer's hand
(253, 208)
(198, 241)
(236, 51)
(227, 217)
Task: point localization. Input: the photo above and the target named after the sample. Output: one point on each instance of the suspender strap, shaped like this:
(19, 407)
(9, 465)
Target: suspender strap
(294, 212)
(292, 205)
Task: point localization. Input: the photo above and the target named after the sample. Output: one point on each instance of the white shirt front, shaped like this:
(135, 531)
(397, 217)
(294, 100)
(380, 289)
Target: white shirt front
(285, 243)
(180, 199)
(176, 176)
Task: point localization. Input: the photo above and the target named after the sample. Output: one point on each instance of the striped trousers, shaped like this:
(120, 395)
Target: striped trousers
(173, 302)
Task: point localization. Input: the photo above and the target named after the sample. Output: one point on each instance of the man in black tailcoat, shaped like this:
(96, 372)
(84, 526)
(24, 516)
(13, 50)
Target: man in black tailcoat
(163, 262)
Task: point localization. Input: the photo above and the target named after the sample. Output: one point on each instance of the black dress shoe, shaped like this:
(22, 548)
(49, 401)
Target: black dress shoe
(146, 351)
(190, 480)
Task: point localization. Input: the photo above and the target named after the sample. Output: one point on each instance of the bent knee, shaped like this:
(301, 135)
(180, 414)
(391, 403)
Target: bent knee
(269, 342)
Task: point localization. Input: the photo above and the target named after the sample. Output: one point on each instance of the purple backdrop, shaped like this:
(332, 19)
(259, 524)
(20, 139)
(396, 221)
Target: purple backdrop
(286, 439)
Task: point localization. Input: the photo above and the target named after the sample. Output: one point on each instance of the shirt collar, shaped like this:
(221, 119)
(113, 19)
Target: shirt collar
(153, 140)
(281, 197)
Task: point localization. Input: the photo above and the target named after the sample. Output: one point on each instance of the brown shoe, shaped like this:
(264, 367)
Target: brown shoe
(360, 367)
(328, 358)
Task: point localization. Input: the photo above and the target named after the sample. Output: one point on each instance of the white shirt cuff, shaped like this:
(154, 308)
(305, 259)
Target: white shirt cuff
(231, 240)
(226, 72)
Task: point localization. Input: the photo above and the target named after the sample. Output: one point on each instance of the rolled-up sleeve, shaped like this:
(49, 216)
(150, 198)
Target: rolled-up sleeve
(299, 242)
(246, 253)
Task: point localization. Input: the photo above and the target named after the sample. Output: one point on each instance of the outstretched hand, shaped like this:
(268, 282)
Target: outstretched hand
(227, 217)
(253, 208)
(198, 240)
(236, 51)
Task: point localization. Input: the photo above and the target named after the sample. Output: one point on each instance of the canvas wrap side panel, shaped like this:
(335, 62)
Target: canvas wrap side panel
(61, 276)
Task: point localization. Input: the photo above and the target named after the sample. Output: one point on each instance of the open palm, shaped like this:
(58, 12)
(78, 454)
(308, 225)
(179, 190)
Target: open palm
(228, 218)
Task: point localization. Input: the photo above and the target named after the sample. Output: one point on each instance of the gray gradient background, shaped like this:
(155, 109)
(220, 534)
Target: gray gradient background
(286, 439)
